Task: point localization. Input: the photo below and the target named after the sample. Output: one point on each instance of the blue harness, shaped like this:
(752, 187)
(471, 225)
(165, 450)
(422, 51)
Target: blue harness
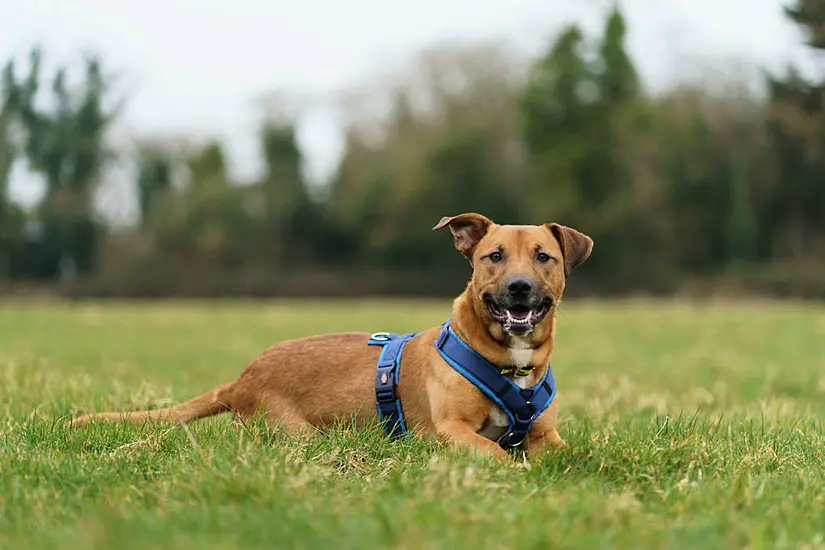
(522, 406)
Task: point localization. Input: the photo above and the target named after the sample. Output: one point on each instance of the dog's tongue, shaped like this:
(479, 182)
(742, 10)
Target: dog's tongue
(519, 312)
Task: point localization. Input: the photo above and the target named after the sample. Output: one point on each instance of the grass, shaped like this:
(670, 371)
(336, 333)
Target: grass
(689, 427)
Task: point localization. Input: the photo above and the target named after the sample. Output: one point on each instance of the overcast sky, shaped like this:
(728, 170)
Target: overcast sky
(198, 65)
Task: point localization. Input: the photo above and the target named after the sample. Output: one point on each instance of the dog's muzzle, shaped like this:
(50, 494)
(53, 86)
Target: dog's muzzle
(519, 305)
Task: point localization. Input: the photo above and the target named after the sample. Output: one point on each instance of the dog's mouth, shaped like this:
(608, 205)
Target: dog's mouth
(519, 319)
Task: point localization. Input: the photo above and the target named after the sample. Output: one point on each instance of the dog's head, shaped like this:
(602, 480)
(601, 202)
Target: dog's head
(519, 271)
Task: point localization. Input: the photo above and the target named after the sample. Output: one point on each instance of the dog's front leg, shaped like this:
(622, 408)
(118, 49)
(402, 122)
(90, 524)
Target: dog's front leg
(463, 435)
(543, 434)
(544, 440)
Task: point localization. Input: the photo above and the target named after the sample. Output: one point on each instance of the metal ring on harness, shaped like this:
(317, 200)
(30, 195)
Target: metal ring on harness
(505, 440)
(380, 337)
(520, 419)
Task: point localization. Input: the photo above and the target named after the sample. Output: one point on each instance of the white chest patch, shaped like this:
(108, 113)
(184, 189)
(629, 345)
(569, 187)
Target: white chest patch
(521, 352)
(521, 357)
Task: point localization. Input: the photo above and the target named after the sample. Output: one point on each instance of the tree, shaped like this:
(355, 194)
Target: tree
(579, 107)
(458, 179)
(154, 179)
(209, 221)
(605, 177)
(447, 140)
(10, 225)
(796, 210)
(66, 144)
(618, 80)
(809, 15)
(291, 219)
(556, 108)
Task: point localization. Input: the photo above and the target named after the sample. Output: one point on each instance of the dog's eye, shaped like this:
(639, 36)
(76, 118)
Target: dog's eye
(543, 257)
(495, 257)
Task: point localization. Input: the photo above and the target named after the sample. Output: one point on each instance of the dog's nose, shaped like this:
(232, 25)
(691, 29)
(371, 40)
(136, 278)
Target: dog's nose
(519, 287)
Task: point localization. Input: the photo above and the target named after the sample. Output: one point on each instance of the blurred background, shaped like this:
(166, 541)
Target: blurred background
(307, 148)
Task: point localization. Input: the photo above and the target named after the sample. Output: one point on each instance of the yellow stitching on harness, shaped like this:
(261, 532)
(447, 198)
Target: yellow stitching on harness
(521, 371)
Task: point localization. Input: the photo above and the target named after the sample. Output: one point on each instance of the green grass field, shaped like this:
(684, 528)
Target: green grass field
(689, 427)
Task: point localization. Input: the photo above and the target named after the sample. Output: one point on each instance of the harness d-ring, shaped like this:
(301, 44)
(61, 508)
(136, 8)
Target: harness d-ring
(520, 419)
(504, 440)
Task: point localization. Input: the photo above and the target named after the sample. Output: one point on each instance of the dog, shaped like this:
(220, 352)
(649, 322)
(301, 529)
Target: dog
(506, 316)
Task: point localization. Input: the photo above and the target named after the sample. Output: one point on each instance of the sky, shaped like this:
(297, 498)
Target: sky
(199, 66)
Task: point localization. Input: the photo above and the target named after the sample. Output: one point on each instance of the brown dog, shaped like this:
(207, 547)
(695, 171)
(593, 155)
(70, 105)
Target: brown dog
(506, 314)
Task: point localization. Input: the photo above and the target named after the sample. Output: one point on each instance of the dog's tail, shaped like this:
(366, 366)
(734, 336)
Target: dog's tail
(211, 403)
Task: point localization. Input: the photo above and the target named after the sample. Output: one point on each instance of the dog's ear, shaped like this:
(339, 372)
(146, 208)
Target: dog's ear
(467, 230)
(575, 245)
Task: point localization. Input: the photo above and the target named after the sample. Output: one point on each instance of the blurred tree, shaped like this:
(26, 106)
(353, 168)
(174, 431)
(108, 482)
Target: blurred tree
(448, 141)
(289, 209)
(10, 215)
(209, 221)
(7, 148)
(66, 144)
(557, 105)
(618, 94)
(299, 229)
(207, 167)
(688, 182)
(618, 80)
(606, 187)
(740, 230)
(810, 16)
(458, 179)
(579, 108)
(154, 178)
(710, 163)
(796, 212)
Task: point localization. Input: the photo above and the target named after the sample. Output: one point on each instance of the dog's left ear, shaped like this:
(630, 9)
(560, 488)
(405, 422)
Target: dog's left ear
(467, 230)
(575, 245)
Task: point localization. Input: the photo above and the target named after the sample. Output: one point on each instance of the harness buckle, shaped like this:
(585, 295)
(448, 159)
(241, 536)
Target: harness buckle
(385, 396)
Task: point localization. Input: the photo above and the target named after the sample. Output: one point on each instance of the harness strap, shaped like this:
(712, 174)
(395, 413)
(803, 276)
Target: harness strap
(522, 406)
(387, 403)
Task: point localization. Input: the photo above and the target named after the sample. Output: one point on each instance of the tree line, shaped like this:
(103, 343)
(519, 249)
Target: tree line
(692, 187)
